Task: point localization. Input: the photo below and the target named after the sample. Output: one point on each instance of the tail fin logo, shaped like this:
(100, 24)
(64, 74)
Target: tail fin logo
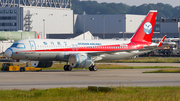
(147, 28)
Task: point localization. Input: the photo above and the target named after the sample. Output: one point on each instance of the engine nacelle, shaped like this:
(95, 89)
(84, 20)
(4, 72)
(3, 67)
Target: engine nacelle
(79, 61)
(42, 64)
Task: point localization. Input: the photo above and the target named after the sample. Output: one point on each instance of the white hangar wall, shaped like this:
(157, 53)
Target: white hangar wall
(108, 23)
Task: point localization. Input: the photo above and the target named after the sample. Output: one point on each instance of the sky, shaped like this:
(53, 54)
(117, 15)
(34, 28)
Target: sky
(140, 2)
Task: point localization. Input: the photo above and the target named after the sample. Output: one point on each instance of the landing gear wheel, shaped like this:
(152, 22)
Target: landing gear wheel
(22, 69)
(90, 68)
(95, 68)
(67, 68)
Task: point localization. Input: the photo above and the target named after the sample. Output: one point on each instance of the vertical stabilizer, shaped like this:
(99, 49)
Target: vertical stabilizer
(145, 31)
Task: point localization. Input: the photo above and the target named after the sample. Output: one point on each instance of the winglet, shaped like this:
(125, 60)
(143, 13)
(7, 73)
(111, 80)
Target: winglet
(162, 40)
(37, 34)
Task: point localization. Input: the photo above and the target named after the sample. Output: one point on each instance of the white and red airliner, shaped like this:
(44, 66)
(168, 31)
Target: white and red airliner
(83, 53)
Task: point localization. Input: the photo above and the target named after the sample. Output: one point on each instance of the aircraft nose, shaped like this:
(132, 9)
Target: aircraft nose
(8, 52)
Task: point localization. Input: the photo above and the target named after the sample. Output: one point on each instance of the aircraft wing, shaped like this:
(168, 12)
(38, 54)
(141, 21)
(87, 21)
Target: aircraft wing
(145, 48)
(165, 44)
(117, 51)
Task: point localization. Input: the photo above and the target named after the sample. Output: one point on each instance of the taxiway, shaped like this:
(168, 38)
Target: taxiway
(84, 78)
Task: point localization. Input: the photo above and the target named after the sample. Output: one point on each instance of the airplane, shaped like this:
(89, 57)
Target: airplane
(84, 53)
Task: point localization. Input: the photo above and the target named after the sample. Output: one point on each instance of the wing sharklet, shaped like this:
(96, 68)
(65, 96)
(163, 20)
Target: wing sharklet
(161, 42)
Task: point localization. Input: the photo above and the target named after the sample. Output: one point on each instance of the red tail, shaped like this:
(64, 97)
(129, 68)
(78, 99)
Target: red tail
(37, 34)
(145, 31)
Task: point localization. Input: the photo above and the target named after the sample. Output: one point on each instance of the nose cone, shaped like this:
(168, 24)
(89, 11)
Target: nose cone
(8, 52)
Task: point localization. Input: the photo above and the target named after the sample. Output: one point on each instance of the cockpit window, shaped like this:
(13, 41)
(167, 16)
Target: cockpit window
(18, 45)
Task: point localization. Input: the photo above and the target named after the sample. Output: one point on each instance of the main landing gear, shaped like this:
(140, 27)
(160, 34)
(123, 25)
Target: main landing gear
(67, 68)
(93, 68)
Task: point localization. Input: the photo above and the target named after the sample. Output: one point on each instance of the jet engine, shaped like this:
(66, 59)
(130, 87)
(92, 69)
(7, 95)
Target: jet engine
(79, 61)
(42, 64)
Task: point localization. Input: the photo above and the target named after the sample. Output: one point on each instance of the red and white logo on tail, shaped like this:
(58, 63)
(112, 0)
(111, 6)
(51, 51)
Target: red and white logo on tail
(145, 31)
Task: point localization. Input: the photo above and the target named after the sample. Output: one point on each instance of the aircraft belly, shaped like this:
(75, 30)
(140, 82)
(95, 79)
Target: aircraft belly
(62, 56)
(121, 55)
(35, 56)
(46, 56)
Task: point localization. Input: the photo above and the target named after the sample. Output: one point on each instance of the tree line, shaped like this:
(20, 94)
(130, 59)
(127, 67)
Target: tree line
(93, 7)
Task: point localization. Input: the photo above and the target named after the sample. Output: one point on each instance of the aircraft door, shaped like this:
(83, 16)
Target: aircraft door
(33, 46)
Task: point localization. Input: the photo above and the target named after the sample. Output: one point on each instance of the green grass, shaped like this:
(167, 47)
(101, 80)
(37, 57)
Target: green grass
(164, 71)
(109, 66)
(59, 66)
(82, 94)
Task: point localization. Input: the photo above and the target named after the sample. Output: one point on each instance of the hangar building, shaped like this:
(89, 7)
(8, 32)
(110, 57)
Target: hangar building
(55, 19)
(43, 16)
(104, 26)
(118, 23)
(169, 27)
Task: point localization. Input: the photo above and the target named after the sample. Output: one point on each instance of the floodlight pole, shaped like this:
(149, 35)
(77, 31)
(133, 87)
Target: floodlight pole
(84, 27)
(92, 24)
